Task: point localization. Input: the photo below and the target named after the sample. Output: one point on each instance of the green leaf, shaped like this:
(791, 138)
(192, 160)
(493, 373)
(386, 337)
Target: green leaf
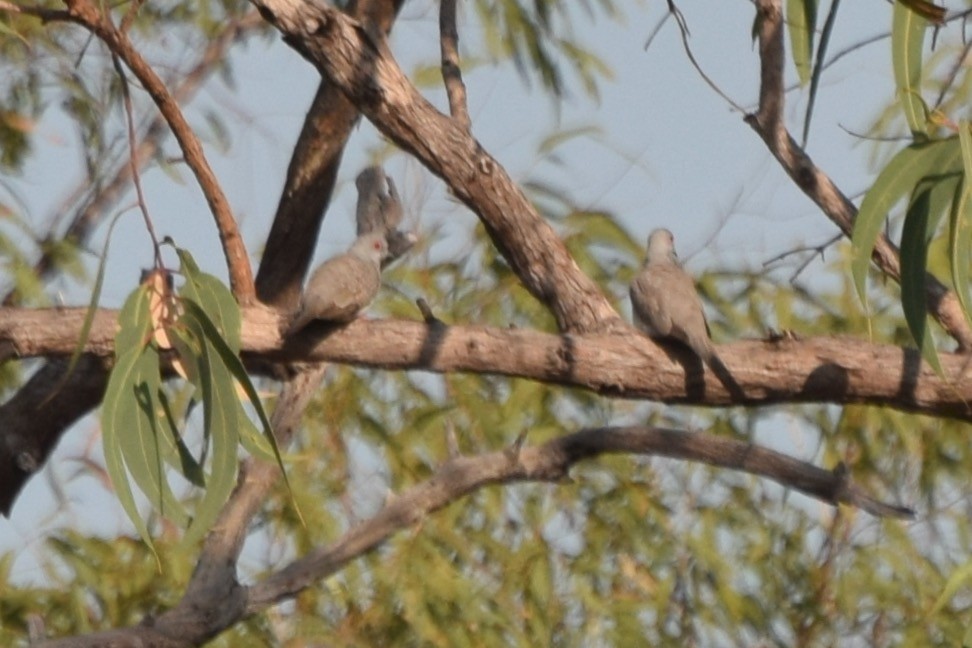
(921, 221)
(254, 441)
(92, 309)
(238, 371)
(221, 411)
(141, 444)
(960, 225)
(895, 181)
(118, 415)
(907, 39)
(818, 67)
(801, 19)
(214, 298)
(134, 322)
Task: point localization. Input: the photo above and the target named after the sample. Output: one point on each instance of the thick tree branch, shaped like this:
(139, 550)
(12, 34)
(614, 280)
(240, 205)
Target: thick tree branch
(241, 275)
(769, 125)
(357, 60)
(36, 417)
(623, 363)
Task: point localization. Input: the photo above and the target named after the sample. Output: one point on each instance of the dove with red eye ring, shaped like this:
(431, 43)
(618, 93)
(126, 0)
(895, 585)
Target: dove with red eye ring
(344, 285)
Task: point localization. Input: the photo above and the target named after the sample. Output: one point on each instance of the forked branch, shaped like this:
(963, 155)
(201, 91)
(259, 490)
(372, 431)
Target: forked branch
(769, 125)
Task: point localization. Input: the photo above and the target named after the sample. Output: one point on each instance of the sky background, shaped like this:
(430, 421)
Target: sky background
(669, 152)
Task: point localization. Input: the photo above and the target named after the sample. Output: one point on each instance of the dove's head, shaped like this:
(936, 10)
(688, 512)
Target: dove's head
(371, 247)
(661, 246)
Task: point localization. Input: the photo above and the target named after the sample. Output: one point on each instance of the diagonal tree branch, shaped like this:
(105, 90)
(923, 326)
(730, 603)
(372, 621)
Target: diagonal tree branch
(551, 462)
(238, 262)
(817, 185)
(461, 476)
(357, 60)
(37, 423)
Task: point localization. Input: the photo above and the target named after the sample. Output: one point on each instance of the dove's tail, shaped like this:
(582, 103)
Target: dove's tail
(711, 358)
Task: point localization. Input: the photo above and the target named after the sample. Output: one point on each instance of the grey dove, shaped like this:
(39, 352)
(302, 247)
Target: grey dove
(344, 285)
(664, 301)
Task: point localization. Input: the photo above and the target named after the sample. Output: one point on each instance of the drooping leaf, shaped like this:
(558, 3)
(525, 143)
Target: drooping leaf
(134, 322)
(895, 181)
(220, 419)
(236, 370)
(930, 201)
(141, 444)
(92, 309)
(907, 39)
(801, 20)
(818, 67)
(215, 299)
(960, 226)
(119, 411)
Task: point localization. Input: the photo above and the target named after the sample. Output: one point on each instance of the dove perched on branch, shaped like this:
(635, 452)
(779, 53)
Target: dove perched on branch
(666, 305)
(344, 285)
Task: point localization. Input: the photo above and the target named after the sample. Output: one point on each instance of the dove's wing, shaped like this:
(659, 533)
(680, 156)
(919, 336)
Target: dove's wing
(337, 291)
(665, 304)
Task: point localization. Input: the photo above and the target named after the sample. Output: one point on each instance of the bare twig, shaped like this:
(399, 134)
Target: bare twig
(768, 123)
(957, 65)
(451, 72)
(683, 31)
(241, 276)
(818, 250)
(133, 157)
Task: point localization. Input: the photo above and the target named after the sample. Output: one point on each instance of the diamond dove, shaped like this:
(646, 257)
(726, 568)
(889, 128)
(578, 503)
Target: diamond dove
(344, 285)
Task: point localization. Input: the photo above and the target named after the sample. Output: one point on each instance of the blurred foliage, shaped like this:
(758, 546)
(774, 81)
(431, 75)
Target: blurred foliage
(632, 551)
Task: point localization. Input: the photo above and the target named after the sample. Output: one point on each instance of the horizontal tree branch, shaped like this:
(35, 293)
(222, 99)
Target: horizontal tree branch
(622, 364)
